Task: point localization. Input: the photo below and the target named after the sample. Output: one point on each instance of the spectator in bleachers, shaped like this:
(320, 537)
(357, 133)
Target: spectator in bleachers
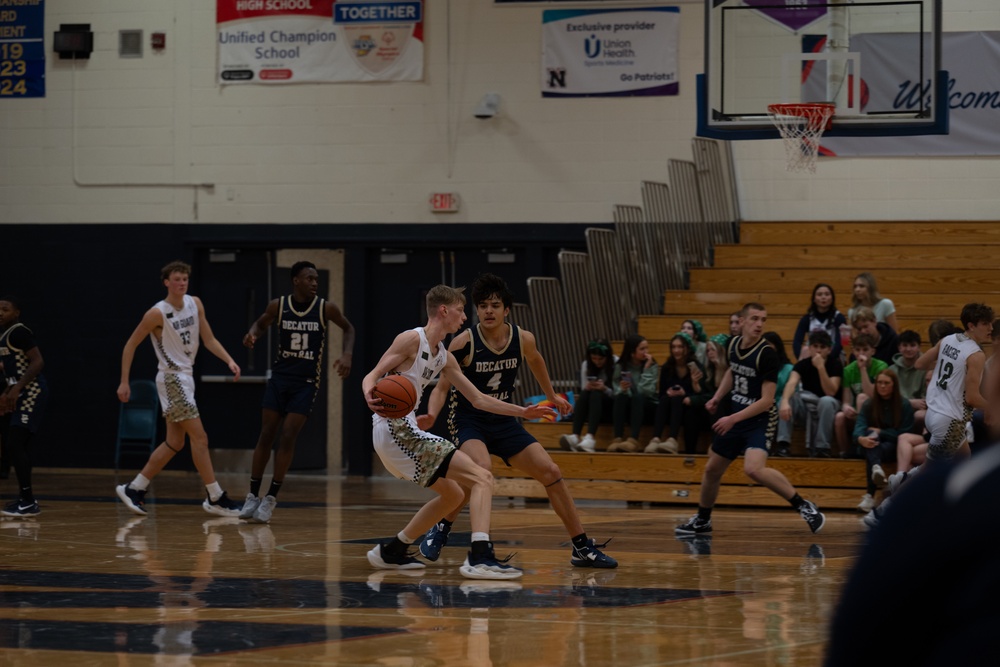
(814, 384)
(784, 371)
(858, 386)
(885, 419)
(866, 294)
(734, 324)
(634, 383)
(680, 379)
(595, 398)
(912, 380)
(886, 342)
(821, 316)
(717, 351)
(938, 329)
(694, 329)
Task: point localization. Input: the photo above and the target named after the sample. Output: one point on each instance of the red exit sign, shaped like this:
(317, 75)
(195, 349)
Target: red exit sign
(444, 202)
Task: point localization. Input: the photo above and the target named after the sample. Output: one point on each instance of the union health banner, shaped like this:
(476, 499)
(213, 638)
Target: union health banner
(972, 60)
(610, 52)
(300, 41)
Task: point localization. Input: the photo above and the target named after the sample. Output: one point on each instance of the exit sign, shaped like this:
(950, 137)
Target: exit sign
(444, 202)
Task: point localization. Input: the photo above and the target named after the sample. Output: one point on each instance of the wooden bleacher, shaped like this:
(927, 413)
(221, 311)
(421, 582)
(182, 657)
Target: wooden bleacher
(929, 270)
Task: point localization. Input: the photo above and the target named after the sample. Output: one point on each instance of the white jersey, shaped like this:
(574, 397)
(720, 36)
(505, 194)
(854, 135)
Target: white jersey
(946, 391)
(178, 342)
(425, 366)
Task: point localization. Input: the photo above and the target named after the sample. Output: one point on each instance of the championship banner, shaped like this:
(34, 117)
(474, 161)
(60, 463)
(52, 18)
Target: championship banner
(610, 52)
(303, 41)
(972, 60)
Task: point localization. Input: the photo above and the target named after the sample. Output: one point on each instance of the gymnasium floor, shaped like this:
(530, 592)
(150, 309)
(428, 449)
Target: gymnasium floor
(88, 583)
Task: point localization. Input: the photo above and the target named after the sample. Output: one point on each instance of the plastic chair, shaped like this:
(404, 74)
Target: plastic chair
(137, 419)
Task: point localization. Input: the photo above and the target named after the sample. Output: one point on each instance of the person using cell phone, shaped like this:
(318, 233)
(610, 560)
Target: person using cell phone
(634, 383)
(681, 378)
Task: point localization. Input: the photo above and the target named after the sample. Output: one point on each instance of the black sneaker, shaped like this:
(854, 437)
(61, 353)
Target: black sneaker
(695, 526)
(133, 498)
(386, 561)
(784, 450)
(812, 515)
(592, 556)
(223, 506)
(21, 508)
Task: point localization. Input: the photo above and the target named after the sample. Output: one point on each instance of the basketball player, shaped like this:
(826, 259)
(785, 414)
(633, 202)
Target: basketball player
(295, 379)
(490, 355)
(22, 400)
(409, 453)
(956, 363)
(750, 429)
(175, 326)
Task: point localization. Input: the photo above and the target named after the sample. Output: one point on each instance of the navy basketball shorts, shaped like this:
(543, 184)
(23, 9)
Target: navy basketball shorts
(504, 437)
(738, 440)
(30, 406)
(289, 395)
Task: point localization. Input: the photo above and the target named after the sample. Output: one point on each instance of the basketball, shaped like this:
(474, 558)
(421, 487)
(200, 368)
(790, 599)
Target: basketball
(399, 398)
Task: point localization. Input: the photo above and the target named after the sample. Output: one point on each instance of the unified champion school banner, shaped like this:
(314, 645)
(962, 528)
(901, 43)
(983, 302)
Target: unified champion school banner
(297, 41)
(972, 60)
(610, 52)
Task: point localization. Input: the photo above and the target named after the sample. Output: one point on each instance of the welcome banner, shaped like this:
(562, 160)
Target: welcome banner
(972, 60)
(610, 52)
(298, 41)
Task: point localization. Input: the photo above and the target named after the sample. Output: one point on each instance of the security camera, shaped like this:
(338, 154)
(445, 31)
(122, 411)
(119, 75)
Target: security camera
(488, 106)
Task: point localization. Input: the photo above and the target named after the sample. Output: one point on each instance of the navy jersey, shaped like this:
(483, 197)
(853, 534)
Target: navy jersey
(15, 343)
(751, 368)
(493, 372)
(301, 339)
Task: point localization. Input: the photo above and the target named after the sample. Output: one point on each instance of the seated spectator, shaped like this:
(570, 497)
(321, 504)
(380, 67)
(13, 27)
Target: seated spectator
(815, 381)
(858, 385)
(718, 364)
(784, 371)
(821, 316)
(866, 295)
(883, 420)
(886, 340)
(594, 400)
(912, 380)
(938, 329)
(734, 324)
(680, 379)
(634, 383)
(694, 329)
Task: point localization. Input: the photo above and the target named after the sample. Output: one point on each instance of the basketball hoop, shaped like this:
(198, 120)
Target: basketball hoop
(801, 126)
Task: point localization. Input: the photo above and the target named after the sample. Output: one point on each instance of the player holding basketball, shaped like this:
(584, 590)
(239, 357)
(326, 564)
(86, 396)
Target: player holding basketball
(750, 429)
(956, 363)
(490, 355)
(295, 379)
(409, 453)
(175, 326)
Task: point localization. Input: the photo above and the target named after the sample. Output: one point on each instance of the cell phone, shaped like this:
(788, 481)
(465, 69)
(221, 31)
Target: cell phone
(626, 376)
(677, 386)
(692, 365)
(591, 378)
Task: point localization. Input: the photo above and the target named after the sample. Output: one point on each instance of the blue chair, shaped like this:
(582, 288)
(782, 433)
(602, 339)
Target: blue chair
(137, 419)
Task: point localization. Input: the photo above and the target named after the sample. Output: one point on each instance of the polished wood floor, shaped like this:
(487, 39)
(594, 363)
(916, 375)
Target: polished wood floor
(88, 583)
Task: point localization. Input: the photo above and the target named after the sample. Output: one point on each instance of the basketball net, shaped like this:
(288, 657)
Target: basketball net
(801, 126)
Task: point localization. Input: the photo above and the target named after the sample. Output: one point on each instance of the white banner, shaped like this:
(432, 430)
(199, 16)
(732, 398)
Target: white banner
(972, 60)
(610, 52)
(297, 41)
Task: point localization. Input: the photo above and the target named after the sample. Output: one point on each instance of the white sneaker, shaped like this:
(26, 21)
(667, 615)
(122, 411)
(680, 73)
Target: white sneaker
(569, 442)
(878, 476)
(587, 444)
(867, 503)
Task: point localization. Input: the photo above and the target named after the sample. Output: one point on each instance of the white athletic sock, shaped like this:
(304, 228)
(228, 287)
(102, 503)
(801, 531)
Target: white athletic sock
(214, 491)
(404, 538)
(140, 483)
(480, 537)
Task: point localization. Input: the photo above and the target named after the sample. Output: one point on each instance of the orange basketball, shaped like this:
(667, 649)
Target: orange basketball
(399, 398)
